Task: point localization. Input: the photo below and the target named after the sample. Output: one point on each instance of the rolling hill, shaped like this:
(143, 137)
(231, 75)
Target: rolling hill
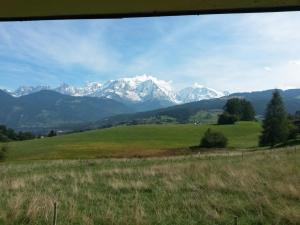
(182, 113)
(130, 141)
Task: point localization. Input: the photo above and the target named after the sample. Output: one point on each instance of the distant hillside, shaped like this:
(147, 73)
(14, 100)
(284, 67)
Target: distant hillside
(49, 109)
(260, 99)
(46, 109)
(183, 112)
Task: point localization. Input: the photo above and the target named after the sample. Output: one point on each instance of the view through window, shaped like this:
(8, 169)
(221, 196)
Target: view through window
(163, 120)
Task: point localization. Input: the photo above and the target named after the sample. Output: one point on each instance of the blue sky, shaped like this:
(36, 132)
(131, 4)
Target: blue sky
(240, 52)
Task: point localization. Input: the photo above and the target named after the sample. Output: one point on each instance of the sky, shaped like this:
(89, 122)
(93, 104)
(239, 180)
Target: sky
(233, 52)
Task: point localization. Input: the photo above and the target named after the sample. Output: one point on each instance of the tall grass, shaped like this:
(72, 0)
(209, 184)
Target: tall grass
(260, 188)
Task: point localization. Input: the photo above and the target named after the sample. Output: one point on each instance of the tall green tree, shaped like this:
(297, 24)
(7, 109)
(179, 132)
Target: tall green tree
(237, 109)
(247, 113)
(275, 124)
(233, 107)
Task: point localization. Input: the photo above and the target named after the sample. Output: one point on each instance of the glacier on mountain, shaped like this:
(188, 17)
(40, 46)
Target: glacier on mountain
(138, 89)
(197, 93)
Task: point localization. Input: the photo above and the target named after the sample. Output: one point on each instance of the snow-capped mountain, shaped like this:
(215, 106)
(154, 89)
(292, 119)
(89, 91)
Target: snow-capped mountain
(25, 90)
(143, 92)
(67, 89)
(90, 88)
(7, 91)
(197, 93)
(137, 89)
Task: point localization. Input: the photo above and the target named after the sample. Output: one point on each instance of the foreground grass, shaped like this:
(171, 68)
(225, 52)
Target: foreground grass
(128, 141)
(259, 188)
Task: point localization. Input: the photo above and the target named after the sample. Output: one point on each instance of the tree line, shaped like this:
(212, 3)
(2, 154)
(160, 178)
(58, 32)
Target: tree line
(9, 134)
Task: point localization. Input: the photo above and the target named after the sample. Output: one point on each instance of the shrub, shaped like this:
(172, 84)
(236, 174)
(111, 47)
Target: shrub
(226, 118)
(213, 139)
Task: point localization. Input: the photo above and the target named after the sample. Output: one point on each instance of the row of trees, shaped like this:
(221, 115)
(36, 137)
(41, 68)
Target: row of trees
(8, 134)
(237, 109)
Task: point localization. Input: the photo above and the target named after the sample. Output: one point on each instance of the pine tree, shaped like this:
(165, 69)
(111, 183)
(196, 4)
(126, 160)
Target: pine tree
(275, 124)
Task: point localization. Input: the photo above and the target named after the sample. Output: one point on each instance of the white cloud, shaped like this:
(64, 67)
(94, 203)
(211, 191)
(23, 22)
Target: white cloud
(60, 46)
(240, 52)
(256, 40)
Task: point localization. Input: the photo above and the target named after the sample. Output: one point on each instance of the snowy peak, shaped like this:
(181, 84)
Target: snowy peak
(165, 86)
(137, 89)
(133, 90)
(118, 90)
(91, 87)
(67, 89)
(25, 90)
(7, 91)
(197, 93)
(196, 85)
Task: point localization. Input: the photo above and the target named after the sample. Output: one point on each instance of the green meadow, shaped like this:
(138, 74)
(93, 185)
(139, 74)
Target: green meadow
(257, 187)
(131, 141)
(96, 178)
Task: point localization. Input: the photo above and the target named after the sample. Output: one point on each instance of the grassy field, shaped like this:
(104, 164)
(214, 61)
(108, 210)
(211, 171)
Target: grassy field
(262, 187)
(128, 141)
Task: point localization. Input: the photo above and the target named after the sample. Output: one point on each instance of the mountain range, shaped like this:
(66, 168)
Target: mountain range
(140, 93)
(119, 101)
(44, 110)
